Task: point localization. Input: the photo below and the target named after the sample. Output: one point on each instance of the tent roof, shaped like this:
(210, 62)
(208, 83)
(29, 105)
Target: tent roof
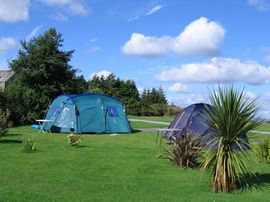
(73, 96)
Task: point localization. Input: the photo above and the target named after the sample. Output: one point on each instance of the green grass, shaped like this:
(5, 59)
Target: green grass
(264, 127)
(105, 168)
(138, 124)
(154, 118)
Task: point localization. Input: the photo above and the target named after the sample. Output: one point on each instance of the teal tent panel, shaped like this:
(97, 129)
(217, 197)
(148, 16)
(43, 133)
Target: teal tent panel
(87, 113)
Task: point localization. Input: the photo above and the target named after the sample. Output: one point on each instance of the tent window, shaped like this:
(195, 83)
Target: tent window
(112, 111)
(65, 119)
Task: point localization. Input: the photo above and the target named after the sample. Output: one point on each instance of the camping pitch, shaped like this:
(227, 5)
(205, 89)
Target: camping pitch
(86, 113)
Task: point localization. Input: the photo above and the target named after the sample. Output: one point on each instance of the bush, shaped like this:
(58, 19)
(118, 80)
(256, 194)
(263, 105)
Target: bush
(4, 121)
(185, 152)
(172, 110)
(74, 140)
(29, 146)
(263, 151)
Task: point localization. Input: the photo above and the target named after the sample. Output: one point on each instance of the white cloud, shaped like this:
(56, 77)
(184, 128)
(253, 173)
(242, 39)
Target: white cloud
(104, 73)
(14, 10)
(147, 46)
(266, 96)
(201, 37)
(93, 40)
(150, 12)
(218, 70)
(6, 43)
(154, 9)
(133, 18)
(260, 5)
(188, 99)
(250, 95)
(34, 32)
(177, 88)
(267, 58)
(72, 7)
(95, 48)
(189, 42)
(59, 17)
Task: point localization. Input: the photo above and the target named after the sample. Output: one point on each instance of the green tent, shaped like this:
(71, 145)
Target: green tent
(86, 113)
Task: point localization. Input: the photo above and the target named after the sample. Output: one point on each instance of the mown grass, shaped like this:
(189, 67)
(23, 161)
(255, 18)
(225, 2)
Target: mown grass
(154, 118)
(106, 168)
(140, 125)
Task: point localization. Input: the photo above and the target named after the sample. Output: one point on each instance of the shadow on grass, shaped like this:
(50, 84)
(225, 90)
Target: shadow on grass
(136, 131)
(7, 141)
(257, 181)
(11, 135)
(81, 146)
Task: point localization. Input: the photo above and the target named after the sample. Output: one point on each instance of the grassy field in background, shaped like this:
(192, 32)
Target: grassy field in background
(107, 168)
(154, 118)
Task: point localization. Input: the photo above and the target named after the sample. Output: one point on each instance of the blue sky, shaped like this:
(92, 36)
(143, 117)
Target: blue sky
(186, 47)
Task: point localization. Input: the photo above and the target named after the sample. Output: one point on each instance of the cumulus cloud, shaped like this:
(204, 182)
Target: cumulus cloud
(200, 37)
(177, 88)
(73, 7)
(6, 43)
(104, 73)
(147, 46)
(218, 70)
(154, 9)
(14, 10)
(261, 5)
(188, 99)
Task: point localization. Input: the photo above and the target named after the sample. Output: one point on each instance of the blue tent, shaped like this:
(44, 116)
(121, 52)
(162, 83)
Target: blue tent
(87, 113)
(192, 118)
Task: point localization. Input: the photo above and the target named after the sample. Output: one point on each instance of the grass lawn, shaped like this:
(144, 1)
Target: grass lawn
(154, 118)
(106, 168)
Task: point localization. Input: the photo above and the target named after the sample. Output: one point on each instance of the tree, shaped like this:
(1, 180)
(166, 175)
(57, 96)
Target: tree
(154, 102)
(4, 115)
(172, 110)
(42, 72)
(233, 117)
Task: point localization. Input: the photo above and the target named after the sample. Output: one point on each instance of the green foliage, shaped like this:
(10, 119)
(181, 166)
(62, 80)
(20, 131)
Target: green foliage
(153, 102)
(74, 140)
(4, 116)
(4, 121)
(233, 116)
(42, 72)
(263, 151)
(29, 145)
(185, 152)
(172, 110)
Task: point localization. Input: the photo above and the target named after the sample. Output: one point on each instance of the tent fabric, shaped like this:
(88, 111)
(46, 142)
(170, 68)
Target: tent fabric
(87, 113)
(193, 118)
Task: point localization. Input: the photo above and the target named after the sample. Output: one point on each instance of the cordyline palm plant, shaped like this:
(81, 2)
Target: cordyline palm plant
(185, 152)
(226, 155)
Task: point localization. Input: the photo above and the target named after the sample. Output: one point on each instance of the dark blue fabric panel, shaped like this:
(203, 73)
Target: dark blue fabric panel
(112, 111)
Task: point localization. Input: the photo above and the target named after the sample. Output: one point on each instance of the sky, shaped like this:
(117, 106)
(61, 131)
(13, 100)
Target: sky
(187, 47)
